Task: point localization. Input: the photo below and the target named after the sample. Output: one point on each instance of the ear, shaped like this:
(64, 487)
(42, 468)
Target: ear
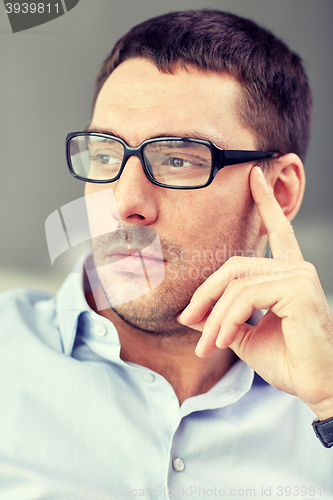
(287, 179)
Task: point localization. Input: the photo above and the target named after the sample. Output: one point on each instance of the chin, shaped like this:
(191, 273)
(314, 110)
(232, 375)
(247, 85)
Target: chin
(154, 312)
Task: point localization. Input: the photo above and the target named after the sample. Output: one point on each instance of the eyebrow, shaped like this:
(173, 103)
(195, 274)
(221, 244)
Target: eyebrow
(194, 135)
(97, 130)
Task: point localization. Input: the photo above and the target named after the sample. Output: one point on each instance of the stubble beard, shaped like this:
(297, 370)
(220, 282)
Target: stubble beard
(155, 312)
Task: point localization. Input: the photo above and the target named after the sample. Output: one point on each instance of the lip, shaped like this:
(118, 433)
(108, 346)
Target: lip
(121, 260)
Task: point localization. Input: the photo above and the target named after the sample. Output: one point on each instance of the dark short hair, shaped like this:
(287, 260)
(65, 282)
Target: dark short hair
(276, 102)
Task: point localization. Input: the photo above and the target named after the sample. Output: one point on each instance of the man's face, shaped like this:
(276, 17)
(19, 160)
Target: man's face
(198, 229)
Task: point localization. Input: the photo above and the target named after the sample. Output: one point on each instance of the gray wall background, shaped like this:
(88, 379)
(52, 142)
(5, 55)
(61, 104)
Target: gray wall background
(46, 87)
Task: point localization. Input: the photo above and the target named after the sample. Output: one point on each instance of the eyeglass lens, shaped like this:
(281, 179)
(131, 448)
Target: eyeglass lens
(171, 163)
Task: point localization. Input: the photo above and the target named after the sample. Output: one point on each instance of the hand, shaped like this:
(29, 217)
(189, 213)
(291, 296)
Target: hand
(292, 345)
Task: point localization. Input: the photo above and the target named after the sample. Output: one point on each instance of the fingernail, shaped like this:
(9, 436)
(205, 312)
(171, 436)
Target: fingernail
(199, 344)
(219, 338)
(184, 313)
(261, 175)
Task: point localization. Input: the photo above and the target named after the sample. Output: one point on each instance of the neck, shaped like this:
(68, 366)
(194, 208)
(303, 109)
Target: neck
(179, 365)
(173, 357)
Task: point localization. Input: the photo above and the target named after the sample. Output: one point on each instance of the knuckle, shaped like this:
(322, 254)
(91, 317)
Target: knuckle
(288, 227)
(243, 293)
(233, 286)
(233, 259)
(305, 284)
(287, 230)
(310, 268)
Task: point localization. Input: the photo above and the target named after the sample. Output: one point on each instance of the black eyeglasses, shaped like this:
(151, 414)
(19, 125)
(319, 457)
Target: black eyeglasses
(171, 162)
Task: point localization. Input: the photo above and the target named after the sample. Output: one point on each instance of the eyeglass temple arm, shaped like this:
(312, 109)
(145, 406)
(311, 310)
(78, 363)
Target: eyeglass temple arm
(233, 157)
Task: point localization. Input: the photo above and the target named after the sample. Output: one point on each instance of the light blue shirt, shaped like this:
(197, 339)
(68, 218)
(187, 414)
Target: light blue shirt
(79, 423)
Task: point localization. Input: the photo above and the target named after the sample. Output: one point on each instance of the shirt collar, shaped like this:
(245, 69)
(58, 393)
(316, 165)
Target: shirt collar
(71, 304)
(229, 389)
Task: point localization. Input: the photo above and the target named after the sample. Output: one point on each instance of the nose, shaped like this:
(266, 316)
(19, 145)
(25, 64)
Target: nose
(136, 196)
(138, 153)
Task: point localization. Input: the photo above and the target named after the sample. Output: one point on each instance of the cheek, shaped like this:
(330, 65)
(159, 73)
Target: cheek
(92, 187)
(231, 187)
(192, 214)
(102, 210)
(223, 213)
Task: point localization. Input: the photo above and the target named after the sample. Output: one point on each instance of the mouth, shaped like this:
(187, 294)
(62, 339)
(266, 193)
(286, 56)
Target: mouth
(133, 260)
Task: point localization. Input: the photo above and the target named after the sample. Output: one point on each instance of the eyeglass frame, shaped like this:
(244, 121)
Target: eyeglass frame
(220, 157)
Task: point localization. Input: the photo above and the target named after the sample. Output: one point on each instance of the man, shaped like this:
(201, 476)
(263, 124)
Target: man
(194, 151)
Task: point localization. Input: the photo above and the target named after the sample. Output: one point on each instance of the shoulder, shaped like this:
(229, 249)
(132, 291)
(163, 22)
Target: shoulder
(23, 302)
(22, 295)
(25, 312)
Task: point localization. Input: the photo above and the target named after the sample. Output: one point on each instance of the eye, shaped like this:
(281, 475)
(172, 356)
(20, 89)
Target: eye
(177, 162)
(105, 159)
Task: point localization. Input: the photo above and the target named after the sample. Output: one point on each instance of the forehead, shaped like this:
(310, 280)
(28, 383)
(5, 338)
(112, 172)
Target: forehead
(138, 101)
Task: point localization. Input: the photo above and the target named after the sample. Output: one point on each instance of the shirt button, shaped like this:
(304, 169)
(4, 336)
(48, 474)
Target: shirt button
(148, 377)
(100, 330)
(178, 464)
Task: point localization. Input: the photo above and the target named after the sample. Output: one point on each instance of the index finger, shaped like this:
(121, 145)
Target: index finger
(281, 236)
